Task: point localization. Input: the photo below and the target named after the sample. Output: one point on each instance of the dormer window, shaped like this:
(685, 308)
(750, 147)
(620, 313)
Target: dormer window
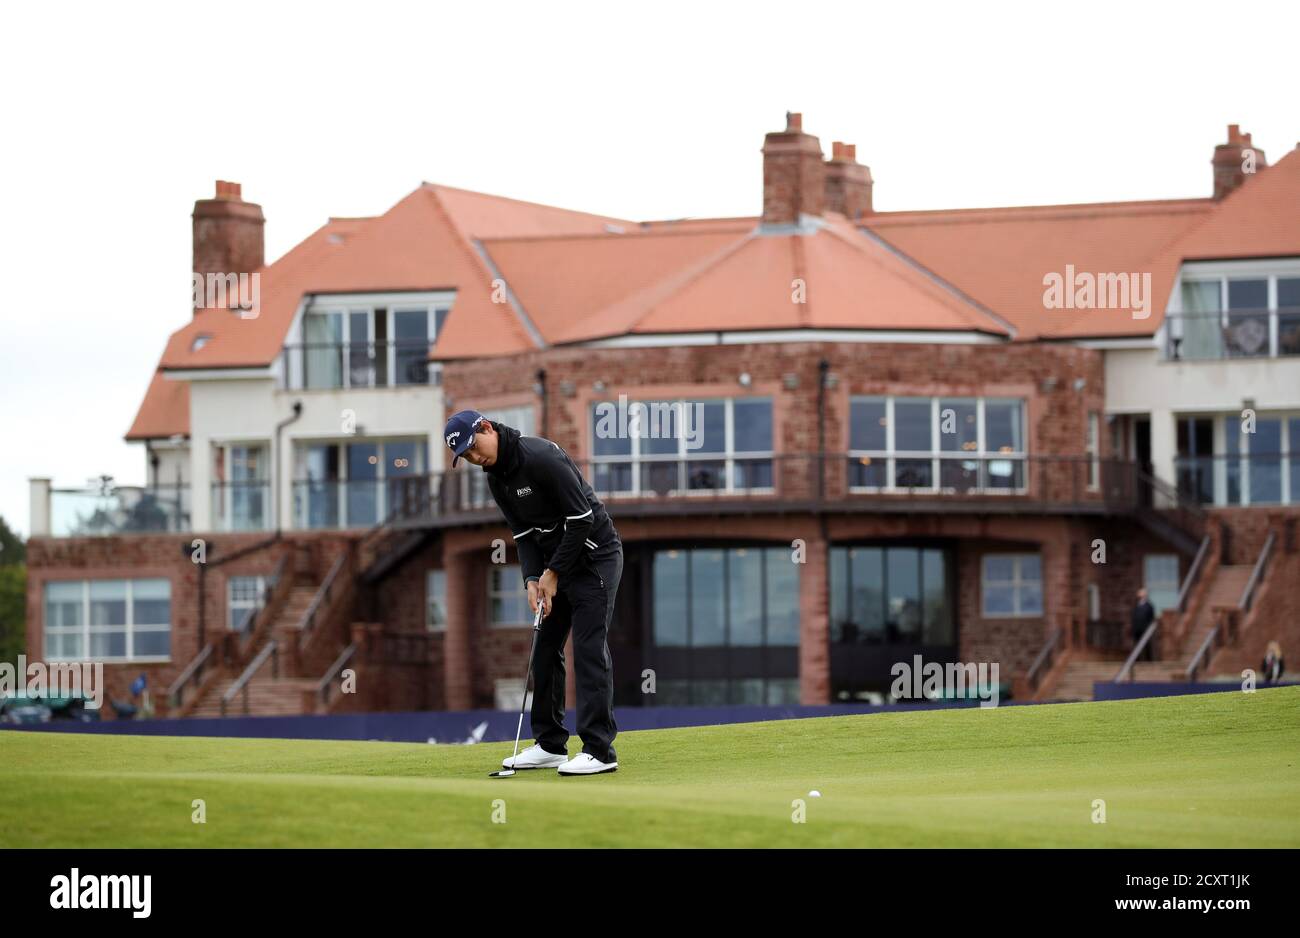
(200, 340)
(366, 341)
(1241, 309)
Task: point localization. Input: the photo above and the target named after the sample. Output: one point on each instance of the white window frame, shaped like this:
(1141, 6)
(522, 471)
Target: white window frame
(1290, 453)
(227, 447)
(1221, 272)
(303, 445)
(728, 457)
(936, 454)
(1017, 582)
(86, 629)
(344, 305)
(1092, 447)
(255, 605)
(1169, 586)
(435, 594)
(507, 572)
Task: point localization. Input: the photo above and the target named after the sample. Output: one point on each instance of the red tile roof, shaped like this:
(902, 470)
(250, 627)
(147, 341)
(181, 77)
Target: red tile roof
(579, 277)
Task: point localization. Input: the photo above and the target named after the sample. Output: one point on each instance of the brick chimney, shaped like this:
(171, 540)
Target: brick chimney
(228, 236)
(1233, 159)
(848, 182)
(794, 176)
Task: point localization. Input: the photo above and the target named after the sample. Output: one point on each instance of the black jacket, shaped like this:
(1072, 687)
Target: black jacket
(1143, 615)
(555, 518)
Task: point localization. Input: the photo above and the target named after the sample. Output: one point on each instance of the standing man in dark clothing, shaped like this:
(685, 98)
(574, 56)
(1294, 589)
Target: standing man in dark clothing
(1143, 615)
(572, 561)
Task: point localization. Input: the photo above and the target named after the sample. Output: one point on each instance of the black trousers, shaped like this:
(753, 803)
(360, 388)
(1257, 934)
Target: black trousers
(585, 604)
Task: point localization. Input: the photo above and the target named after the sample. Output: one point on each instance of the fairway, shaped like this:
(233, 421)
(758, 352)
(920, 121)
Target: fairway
(1213, 770)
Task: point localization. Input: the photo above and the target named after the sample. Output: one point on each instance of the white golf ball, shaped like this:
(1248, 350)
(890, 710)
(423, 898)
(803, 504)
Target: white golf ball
(814, 794)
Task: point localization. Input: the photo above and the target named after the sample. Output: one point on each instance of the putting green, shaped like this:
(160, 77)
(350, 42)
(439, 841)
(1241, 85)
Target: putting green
(1213, 770)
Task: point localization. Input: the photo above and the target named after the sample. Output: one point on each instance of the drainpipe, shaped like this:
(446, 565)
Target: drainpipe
(540, 388)
(275, 465)
(823, 367)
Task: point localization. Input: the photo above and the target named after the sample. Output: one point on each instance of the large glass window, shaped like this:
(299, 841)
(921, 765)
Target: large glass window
(1012, 585)
(1260, 463)
(435, 601)
(1160, 577)
(891, 594)
(365, 346)
(355, 484)
(108, 620)
(725, 626)
(244, 599)
(947, 444)
(1235, 316)
(681, 446)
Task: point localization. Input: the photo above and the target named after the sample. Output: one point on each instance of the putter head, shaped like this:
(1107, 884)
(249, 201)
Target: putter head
(504, 773)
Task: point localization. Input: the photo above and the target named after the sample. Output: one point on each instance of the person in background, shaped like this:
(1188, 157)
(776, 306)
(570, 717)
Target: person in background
(1143, 615)
(1273, 666)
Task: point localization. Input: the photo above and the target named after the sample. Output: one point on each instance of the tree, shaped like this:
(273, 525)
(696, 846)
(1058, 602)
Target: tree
(13, 594)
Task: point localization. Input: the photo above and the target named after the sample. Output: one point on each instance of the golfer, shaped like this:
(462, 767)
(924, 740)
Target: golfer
(572, 560)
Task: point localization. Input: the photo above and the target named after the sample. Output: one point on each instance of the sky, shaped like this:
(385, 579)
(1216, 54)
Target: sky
(117, 116)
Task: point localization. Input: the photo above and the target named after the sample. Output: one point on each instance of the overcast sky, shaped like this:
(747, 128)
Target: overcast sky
(117, 117)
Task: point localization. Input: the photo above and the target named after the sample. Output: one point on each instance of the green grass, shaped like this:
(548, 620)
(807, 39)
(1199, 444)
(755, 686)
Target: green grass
(1220, 770)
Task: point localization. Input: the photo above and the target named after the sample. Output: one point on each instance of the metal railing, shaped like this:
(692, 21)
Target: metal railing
(108, 509)
(337, 365)
(241, 506)
(1044, 660)
(326, 683)
(799, 482)
(1238, 333)
(276, 589)
(1256, 576)
(192, 674)
(1239, 479)
(1185, 591)
(1125, 673)
(240, 687)
(318, 602)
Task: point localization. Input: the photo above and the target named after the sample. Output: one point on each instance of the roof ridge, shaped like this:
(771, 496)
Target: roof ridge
(966, 305)
(609, 235)
(658, 291)
(435, 186)
(1064, 210)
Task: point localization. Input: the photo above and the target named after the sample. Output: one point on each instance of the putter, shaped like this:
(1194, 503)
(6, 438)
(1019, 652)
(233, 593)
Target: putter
(537, 627)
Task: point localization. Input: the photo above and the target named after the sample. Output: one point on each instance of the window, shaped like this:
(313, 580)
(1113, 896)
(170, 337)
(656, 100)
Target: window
(108, 620)
(507, 596)
(245, 596)
(1160, 577)
(740, 596)
(435, 600)
(887, 595)
(1094, 602)
(366, 346)
(1091, 446)
(948, 444)
(681, 446)
(1243, 312)
(357, 484)
(1012, 585)
(241, 490)
(1260, 467)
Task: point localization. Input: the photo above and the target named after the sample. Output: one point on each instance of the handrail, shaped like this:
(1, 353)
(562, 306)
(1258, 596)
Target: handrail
(1257, 574)
(241, 683)
(325, 683)
(176, 692)
(1049, 647)
(1185, 591)
(308, 620)
(1202, 653)
(279, 584)
(1125, 671)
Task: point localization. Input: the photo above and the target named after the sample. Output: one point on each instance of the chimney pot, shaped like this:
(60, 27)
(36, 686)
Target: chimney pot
(793, 122)
(1230, 160)
(227, 233)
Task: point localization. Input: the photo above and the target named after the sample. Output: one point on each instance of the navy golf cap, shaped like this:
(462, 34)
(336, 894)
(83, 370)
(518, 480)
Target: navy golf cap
(459, 432)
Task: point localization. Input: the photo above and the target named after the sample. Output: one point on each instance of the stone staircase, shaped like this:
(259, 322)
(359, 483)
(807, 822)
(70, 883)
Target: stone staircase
(267, 696)
(1079, 675)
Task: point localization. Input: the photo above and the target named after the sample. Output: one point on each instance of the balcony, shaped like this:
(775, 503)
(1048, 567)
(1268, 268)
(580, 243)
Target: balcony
(1239, 480)
(799, 483)
(107, 509)
(336, 366)
(1235, 334)
(241, 506)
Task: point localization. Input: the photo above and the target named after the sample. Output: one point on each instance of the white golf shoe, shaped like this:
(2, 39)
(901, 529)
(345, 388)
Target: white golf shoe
(583, 764)
(534, 757)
